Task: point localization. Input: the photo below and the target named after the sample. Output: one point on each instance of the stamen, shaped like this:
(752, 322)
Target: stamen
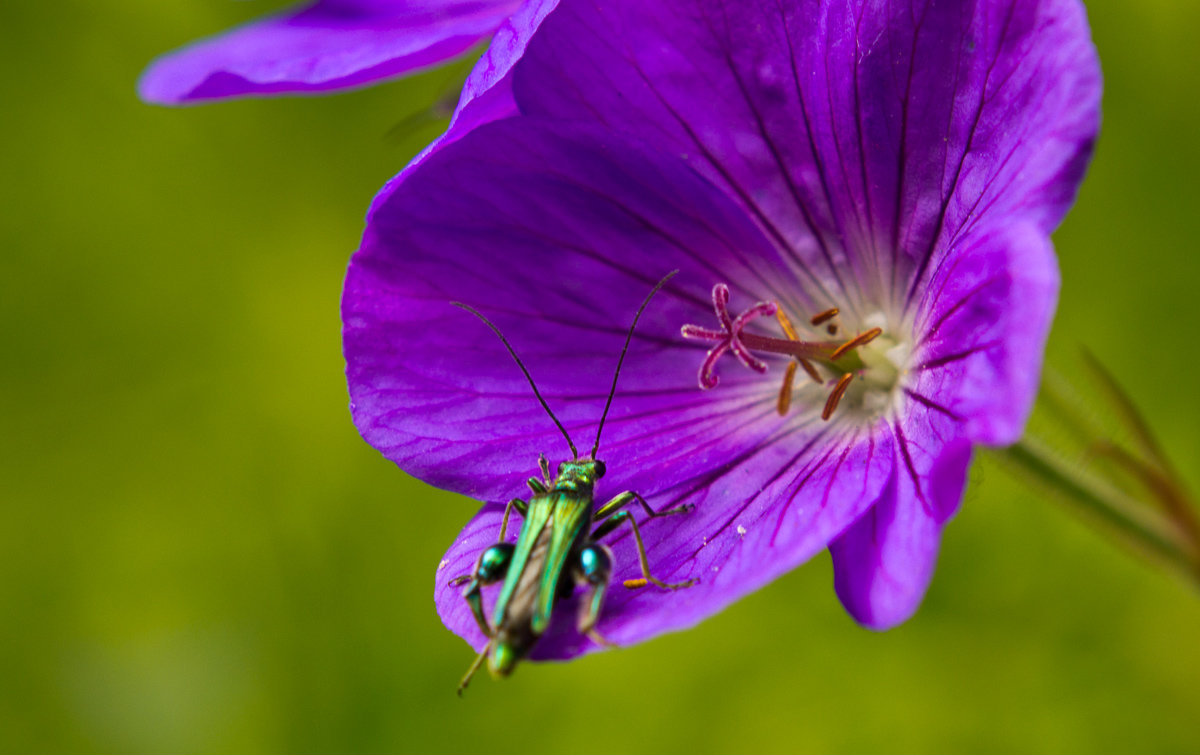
(825, 316)
(839, 390)
(785, 390)
(812, 371)
(788, 329)
(862, 339)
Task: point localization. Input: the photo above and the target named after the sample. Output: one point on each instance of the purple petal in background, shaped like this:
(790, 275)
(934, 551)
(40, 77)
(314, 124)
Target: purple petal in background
(487, 94)
(326, 46)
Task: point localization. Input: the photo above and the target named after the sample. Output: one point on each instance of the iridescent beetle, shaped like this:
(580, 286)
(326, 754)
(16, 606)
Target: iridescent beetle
(554, 551)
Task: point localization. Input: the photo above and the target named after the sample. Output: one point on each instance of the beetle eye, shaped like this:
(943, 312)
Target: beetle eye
(600, 469)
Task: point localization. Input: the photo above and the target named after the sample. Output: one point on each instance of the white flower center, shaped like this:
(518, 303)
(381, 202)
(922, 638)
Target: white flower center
(874, 388)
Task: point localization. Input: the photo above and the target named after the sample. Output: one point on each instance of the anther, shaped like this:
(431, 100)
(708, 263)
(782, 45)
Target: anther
(825, 316)
(839, 390)
(812, 371)
(788, 329)
(785, 391)
(862, 339)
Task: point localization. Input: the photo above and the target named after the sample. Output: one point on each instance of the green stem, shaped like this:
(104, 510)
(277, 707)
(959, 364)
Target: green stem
(1140, 527)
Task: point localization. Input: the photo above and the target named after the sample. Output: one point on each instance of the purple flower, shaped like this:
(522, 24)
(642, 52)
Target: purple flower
(323, 46)
(903, 163)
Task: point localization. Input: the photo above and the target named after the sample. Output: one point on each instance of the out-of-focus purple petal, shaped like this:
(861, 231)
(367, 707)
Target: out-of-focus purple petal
(327, 46)
(861, 135)
(487, 94)
(884, 562)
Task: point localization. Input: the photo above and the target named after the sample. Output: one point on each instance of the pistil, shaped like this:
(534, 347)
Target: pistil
(840, 358)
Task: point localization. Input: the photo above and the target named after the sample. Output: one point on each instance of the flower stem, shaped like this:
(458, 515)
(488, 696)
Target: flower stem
(1143, 528)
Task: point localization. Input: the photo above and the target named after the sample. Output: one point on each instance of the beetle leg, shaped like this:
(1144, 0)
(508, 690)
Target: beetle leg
(491, 567)
(517, 504)
(474, 598)
(624, 499)
(544, 465)
(615, 521)
(462, 685)
(593, 568)
(601, 640)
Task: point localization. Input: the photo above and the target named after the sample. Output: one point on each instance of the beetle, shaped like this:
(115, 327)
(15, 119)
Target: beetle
(556, 549)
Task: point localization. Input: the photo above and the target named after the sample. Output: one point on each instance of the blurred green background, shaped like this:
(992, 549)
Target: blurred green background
(199, 554)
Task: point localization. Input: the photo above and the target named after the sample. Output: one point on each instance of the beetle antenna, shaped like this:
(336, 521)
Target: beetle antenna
(628, 337)
(517, 359)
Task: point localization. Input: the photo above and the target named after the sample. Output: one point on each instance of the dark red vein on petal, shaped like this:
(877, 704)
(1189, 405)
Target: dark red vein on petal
(910, 467)
(930, 403)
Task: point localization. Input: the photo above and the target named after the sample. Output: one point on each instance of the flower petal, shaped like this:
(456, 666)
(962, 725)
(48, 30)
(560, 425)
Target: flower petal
(807, 488)
(832, 162)
(323, 47)
(884, 562)
(557, 236)
(983, 327)
(517, 202)
(988, 313)
(487, 94)
(863, 136)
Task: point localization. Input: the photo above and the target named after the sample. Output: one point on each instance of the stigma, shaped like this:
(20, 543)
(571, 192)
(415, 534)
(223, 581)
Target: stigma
(855, 366)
